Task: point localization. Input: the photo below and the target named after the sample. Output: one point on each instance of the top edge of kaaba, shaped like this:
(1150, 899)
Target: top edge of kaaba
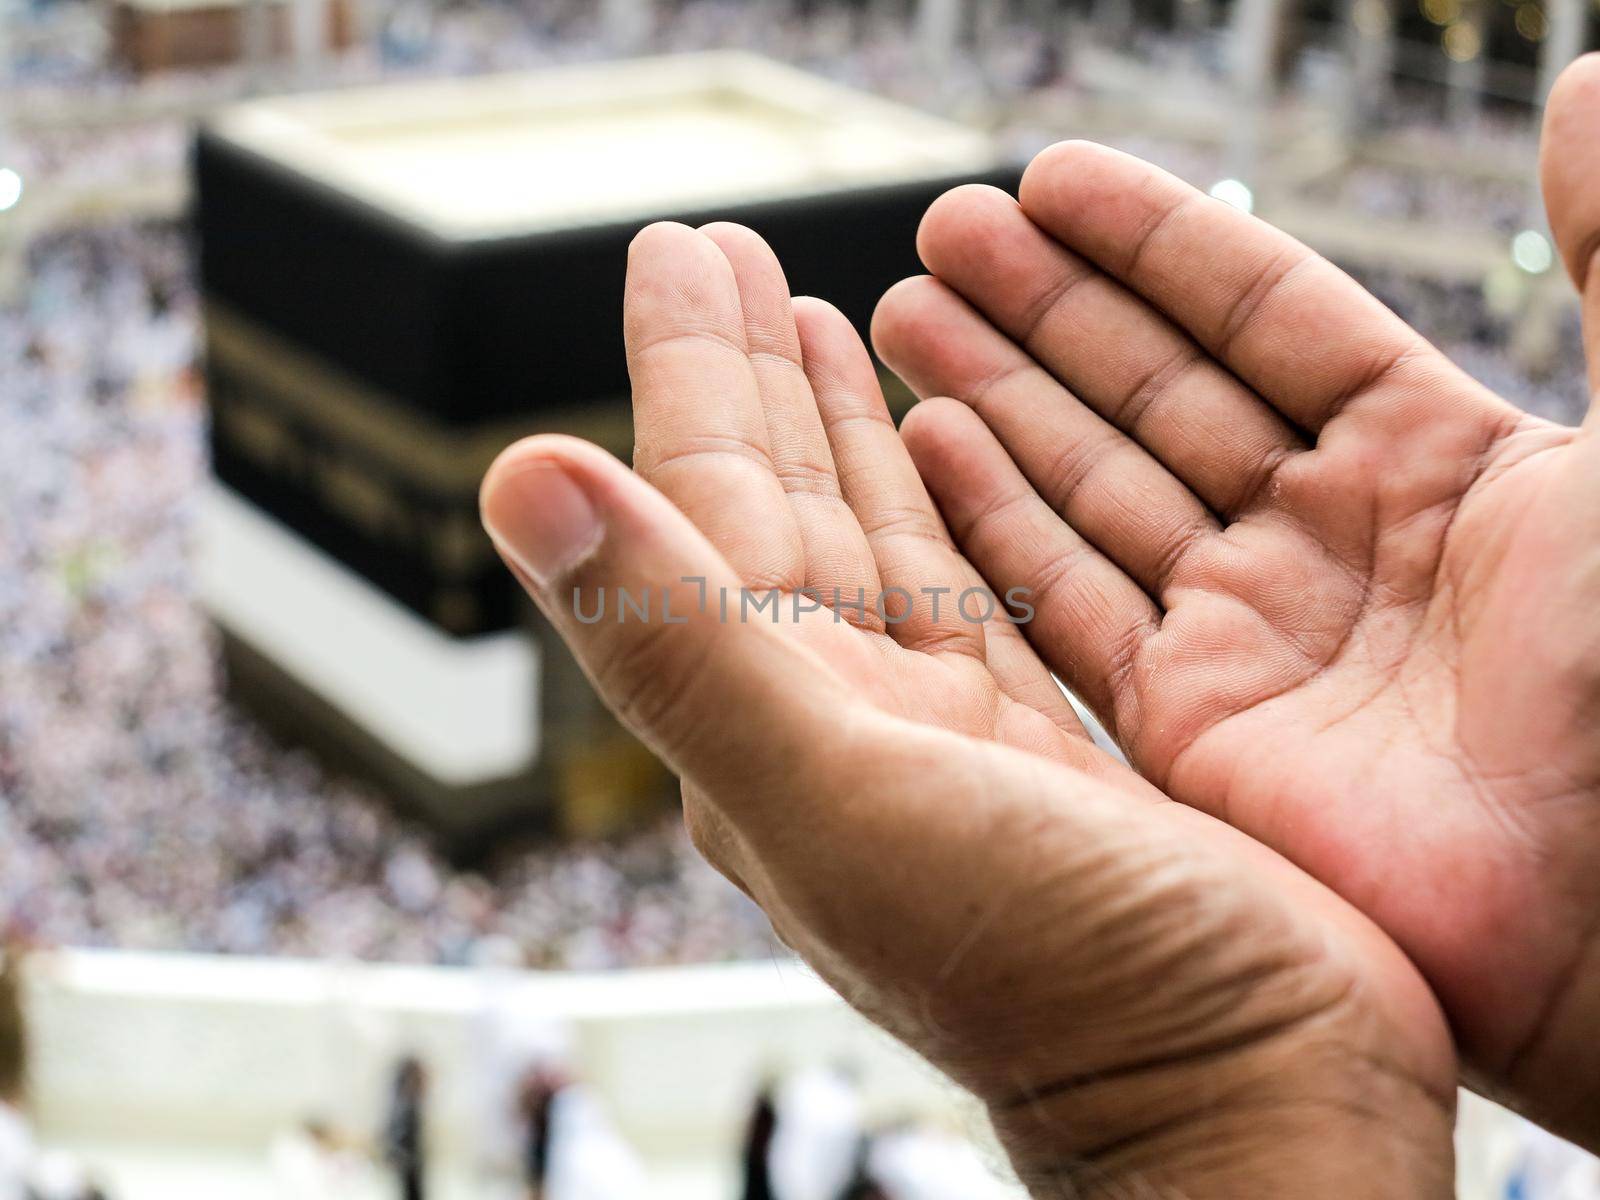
(514, 306)
(573, 148)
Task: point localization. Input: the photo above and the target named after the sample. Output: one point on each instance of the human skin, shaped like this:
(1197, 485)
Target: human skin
(1149, 1002)
(1317, 582)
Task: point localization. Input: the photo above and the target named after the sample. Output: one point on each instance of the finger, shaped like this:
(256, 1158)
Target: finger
(1089, 620)
(1107, 346)
(574, 524)
(1102, 484)
(836, 551)
(700, 435)
(916, 560)
(581, 531)
(1306, 337)
(1569, 168)
(1021, 675)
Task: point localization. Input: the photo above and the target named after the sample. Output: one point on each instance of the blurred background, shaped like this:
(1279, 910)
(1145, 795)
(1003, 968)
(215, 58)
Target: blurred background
(321, 872)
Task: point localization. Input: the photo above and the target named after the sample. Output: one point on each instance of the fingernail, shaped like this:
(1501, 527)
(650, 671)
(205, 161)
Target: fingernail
(541, 520)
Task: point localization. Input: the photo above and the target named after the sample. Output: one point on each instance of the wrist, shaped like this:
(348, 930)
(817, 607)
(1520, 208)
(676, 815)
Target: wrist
(1553, 1078)
(1310, 1117)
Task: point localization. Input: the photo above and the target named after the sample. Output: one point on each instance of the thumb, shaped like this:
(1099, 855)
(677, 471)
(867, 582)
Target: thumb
(1569, 171)
(817, 794)
(654, 616)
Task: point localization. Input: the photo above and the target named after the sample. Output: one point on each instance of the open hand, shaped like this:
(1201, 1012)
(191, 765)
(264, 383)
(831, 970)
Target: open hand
(1142, 995)
(1317, 582)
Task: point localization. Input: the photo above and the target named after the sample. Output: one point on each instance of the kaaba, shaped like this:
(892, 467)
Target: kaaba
(401, 280)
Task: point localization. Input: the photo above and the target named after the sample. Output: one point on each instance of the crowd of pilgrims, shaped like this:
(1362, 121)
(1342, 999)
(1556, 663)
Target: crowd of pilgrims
(806, 1136)
(1012, 55)
(137, 808)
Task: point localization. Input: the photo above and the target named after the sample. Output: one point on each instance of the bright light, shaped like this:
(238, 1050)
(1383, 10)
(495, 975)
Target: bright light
(10, 188)
(1231, 191)
(1462, 42)
(1505, 289)
(1372, 18)
(1531, 251)
(1441, 12)
(1531, 22)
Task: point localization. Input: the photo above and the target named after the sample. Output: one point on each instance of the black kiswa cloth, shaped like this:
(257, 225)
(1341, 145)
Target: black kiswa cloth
(363, 371)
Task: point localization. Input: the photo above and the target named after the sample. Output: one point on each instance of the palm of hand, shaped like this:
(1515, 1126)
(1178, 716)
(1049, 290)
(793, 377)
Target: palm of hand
(1408, 721)
(1319, 582)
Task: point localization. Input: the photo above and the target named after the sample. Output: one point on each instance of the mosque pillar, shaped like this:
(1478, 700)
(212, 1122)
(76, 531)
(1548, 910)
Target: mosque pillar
(625, 25)
(938, 31)
(1465, 43)
(1565, 40)
(1370, 42)
(1258, 37)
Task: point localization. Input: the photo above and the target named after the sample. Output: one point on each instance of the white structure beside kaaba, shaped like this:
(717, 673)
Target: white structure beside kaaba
(401, 280)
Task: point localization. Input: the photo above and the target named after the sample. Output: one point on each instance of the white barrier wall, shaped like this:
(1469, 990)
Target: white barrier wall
(215, 1050)
(216, 1053)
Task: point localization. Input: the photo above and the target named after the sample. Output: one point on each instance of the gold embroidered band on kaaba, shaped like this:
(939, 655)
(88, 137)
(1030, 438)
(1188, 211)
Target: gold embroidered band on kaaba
(370, 459)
